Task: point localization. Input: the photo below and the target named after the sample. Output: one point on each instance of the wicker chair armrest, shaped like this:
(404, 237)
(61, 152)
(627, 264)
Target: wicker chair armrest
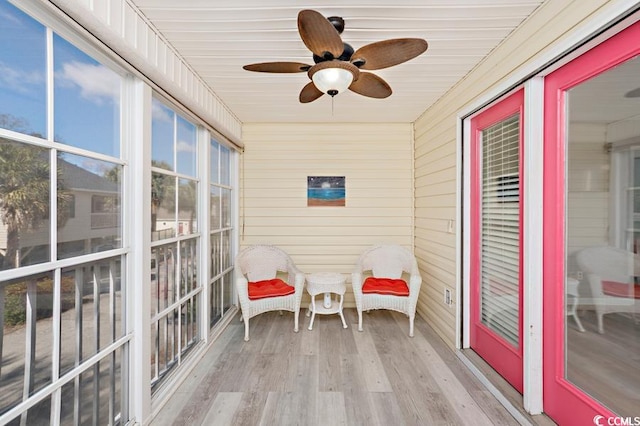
(295, 275)
(298, 281)
(242, 287)
(356, 281)
(415, 281)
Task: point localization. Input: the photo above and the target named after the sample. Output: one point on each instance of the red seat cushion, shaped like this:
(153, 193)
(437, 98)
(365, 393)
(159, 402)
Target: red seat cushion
(391, 286)
(269, 288)
(613, 288)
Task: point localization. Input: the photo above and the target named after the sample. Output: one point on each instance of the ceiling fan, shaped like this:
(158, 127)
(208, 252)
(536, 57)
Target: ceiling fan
(337, 66)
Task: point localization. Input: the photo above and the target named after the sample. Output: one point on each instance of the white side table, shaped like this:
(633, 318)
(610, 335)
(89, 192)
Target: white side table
(572, 290)
(327, 283)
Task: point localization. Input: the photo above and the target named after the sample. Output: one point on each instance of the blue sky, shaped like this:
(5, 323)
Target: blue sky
(86, 101)
(86, 96)
(86, 93)
(22, 68)
(167, 125)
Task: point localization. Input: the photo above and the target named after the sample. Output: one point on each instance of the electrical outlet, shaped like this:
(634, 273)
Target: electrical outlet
(579, 275)
(447, 296)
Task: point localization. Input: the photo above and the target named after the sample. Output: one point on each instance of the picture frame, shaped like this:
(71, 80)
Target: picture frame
(326, 191)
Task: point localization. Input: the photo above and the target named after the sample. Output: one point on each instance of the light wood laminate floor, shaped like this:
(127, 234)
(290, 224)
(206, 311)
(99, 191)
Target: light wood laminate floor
(331, 376)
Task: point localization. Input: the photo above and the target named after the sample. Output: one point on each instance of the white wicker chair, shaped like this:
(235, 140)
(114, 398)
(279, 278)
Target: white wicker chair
(602, 266)
(265, 262)
(387, 261)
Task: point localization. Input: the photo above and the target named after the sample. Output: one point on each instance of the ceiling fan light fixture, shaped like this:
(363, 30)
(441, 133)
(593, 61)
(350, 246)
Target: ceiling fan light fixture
(332, 80)
(333, 77)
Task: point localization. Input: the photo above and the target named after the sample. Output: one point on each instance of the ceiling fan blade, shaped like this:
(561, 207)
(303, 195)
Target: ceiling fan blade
(386, 53)
(371, 85)
(309, 93)
(278, 67)
(318, 34)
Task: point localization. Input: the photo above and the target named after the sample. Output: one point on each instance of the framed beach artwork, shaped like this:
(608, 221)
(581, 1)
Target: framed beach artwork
(325, 191)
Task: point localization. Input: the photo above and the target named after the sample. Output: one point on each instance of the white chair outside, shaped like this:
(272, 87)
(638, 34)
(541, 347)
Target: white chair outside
(606, 269)
(260, 264)
(392, 262)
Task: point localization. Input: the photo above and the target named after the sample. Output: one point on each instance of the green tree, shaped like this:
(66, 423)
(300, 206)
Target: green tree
(24, 189)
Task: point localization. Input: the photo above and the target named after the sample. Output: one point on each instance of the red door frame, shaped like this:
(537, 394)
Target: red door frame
(562, 401)
(499, 353)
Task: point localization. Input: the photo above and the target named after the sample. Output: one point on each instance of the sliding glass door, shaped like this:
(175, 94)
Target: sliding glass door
(496, 235)
(591, 262)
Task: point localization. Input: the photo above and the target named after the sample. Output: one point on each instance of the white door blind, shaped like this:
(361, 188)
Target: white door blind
(501, 228)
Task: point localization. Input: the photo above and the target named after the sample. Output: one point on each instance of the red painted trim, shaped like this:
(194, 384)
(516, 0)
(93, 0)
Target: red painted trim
(562, 401)
(500, 354)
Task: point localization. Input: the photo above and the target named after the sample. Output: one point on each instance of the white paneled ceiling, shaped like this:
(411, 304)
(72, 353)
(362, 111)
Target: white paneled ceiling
(218, 37)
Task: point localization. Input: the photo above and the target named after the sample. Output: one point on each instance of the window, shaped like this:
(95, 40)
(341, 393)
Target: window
(86, 101)
(175, 288)
(221, 288)
(96, 190)
(603, 209)
(103, 204)
(23, 56)
(64, 181)
(62, 321)
(501, 227)
(24, 203)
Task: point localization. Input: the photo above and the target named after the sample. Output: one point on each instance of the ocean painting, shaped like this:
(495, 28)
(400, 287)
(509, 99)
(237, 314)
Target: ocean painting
(325, 191)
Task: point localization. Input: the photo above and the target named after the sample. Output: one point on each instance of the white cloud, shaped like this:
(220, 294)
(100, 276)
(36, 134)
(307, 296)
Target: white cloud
(97, 83)
(19, 80)
(10, 17)
(184, 146)
(161, 114)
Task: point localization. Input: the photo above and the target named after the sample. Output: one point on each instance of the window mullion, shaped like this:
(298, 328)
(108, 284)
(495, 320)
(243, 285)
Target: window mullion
(56, 397)
(204, 243)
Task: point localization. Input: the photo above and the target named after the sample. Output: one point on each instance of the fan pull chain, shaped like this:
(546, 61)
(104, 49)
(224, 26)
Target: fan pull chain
(332, 98)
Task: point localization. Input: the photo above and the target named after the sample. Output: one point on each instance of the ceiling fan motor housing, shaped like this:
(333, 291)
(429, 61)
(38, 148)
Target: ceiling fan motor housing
(337, 22)
(345, 56)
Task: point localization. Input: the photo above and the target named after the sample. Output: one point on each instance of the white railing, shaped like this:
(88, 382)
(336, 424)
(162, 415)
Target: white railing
(63, 346)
